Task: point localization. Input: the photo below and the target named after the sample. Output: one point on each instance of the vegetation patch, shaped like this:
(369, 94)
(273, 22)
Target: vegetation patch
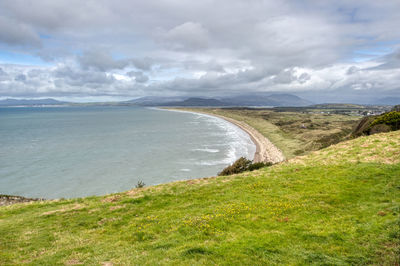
(370, 125)
(295, 131)
(339, 205)
(241, 165)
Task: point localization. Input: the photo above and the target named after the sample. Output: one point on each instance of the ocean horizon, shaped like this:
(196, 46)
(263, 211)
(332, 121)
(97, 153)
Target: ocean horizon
(67, 152)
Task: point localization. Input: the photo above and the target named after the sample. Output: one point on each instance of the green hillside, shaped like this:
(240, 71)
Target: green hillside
(339, 205)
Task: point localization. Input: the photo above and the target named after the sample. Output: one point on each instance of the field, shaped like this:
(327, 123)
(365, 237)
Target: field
(294, 132)
(339, 205)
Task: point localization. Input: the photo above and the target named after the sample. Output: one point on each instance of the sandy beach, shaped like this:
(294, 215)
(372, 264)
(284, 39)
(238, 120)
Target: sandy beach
(266, 151)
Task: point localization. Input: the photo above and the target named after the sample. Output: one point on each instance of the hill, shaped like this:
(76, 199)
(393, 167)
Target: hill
(339, 205)
(337, 106)
(256, 99)
(385, 122)
(262, 99)
(388, 101)
(153, 100)
(197, 102)
(29, 102)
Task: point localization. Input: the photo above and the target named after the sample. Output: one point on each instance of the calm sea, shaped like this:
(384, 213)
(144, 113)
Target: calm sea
(80, 151)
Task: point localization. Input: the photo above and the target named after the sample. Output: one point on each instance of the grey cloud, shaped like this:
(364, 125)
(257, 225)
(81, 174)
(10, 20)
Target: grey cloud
(389, 61)
(2, 72)
(145, 63)
(139, 76)
(15, 33)
(210, 65)
(219, 47)
(20, 77)
(100, 60)
(187, 36)
(304, 77)
(103, 61)
(285, 76)
(78, 77)
(351, 70)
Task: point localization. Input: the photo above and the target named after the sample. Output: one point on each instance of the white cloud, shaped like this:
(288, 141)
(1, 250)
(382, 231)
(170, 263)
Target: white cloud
(202, 48)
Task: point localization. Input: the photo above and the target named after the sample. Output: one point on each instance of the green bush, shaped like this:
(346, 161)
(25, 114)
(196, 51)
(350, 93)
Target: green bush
(242, 164)
(140, 184)
(255, 166)
(391, 119)
(376, 124)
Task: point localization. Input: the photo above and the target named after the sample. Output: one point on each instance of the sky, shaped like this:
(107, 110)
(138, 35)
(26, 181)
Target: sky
(98, 50)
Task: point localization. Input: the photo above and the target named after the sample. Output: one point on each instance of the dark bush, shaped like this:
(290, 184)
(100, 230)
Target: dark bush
(239, 166)
(255, 166)
(242, 164)
(391, 119)
(376, 124)
(379, 128)
(140, 184)
(396, 108)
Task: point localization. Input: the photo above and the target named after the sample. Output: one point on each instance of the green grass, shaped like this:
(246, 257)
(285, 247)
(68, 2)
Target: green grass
(295, 133)
(327, 212)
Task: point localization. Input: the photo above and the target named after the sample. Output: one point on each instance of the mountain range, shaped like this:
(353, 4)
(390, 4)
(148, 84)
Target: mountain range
(26, 102)
(245, 100)
(241, 100)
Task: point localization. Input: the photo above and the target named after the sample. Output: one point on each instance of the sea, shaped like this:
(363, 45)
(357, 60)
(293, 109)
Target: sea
(68, 152)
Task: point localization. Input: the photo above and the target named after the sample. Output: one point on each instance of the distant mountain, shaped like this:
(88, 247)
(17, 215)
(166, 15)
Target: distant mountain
(241, 100)
(259, 99)
(198, 102)
(154, 100)
(337, 106)
(387, 101)
(27, 102)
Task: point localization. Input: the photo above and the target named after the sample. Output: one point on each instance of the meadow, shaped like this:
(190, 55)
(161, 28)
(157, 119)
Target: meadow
(293, 132)
(339, 205)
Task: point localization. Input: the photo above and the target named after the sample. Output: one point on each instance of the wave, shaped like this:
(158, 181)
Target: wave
(207, 150)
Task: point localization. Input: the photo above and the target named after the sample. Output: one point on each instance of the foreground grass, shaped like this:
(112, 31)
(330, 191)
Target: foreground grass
(295, 133)
(326, 212)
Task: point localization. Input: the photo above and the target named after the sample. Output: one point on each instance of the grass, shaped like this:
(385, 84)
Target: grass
(295, 133)
(331, 211)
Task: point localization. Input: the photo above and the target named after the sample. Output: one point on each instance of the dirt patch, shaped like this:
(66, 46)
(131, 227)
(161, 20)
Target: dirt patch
(8, 200)
(107, 220)
(75, 207)
(73, 262)
(112, 208)
(113, 198)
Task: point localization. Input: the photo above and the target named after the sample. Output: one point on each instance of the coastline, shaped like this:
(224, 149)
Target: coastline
(266, 151)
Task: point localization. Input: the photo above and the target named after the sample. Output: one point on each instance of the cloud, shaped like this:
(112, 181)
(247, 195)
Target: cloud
(139, 76)
(16, 33)
(20, 77)
(187, 36)
(100, 60)
(3, 75)
(204, 48)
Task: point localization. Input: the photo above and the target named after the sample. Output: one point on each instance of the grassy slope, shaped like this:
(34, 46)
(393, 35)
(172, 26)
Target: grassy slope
(330, 207)
(294, 133)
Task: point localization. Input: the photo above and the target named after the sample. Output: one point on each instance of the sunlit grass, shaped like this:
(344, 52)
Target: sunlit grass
(294, 133)
(328, 212)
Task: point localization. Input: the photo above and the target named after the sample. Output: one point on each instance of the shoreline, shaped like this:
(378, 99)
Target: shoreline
(266, 151)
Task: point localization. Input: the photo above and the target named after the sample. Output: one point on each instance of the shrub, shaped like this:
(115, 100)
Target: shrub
(255, 166)
(242, 164)
(391, 119)
(376, 124)
(140, 184)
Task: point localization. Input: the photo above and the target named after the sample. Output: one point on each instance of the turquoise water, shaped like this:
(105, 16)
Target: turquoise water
(80, 151)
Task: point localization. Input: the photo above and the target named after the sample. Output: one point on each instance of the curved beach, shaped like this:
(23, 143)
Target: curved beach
(266, 151)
